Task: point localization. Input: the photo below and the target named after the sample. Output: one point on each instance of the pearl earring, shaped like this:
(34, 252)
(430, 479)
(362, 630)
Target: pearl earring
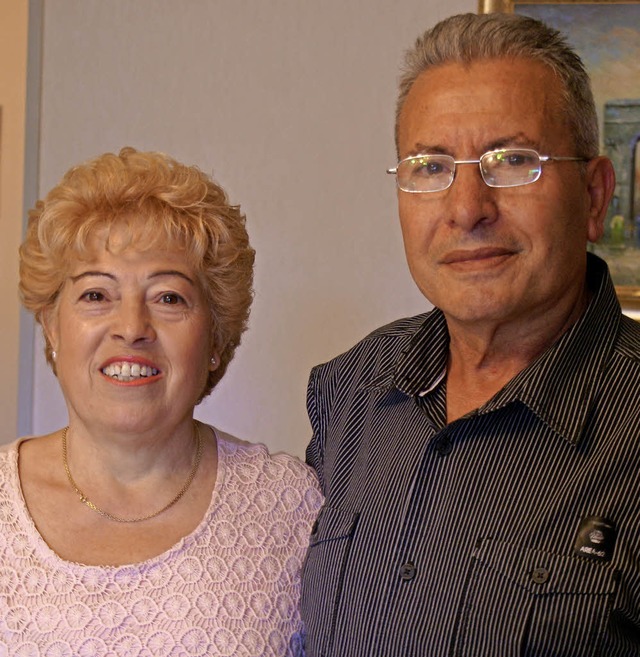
(213, 360)
(54, 355)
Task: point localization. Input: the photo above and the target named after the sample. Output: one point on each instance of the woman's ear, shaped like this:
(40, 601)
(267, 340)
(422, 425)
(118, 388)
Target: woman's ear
(214, 361)
(601, 183)
(49, 321)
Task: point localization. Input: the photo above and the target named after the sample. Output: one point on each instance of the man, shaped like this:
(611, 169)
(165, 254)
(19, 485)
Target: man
(480, 462)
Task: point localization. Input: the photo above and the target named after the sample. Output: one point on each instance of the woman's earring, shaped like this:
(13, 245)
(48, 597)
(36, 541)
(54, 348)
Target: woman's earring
(213, 361)
(54, 355)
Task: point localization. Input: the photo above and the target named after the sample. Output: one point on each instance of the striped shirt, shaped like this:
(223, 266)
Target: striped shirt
(513, 531)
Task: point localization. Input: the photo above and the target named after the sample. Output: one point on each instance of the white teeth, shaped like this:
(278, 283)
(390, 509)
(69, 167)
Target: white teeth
(128, 371)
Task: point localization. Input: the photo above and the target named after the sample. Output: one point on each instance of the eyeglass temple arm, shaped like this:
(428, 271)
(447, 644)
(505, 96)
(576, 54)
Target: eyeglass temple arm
(394, 170)
(552, 158)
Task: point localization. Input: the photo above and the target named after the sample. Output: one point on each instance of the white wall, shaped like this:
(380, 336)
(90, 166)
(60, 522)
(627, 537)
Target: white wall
(290, 104)
(13, 91)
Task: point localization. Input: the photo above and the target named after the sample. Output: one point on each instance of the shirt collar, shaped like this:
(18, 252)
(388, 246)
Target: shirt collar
(558, 386)
(561, 384)
(422, 363)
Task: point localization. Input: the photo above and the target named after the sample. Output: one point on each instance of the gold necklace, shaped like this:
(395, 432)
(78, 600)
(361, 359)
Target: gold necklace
(85, 500)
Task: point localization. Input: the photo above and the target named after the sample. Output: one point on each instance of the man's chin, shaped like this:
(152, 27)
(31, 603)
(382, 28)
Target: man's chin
(474, 306)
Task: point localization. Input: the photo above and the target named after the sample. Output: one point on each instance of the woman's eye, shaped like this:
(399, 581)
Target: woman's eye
(93, 296)
(171, 298)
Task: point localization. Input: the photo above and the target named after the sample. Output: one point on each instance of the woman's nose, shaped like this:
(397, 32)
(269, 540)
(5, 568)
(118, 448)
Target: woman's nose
(133, 323)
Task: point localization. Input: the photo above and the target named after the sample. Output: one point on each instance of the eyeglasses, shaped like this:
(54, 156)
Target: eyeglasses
(507, 167)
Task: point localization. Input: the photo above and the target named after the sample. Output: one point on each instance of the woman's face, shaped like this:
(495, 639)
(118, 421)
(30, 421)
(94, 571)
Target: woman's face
(132, 336)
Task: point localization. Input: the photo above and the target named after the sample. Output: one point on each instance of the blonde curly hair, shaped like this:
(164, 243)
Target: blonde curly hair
(162, 204)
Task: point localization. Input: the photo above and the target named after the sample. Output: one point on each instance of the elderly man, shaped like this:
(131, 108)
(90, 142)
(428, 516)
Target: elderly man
(480, 462)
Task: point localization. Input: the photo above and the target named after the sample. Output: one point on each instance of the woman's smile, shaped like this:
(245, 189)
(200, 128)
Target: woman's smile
(130, 370)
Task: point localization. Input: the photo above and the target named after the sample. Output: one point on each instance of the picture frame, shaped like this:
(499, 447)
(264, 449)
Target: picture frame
(621, 246)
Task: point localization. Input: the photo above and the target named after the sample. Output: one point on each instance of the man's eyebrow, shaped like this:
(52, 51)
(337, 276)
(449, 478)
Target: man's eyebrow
(426, 149)
(518, 139)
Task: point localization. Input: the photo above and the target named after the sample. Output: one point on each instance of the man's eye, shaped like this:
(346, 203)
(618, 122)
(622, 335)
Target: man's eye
(516, 159)
(428, 169)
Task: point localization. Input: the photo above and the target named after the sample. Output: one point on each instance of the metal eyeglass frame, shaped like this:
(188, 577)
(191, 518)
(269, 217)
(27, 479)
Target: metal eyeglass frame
(543, 159)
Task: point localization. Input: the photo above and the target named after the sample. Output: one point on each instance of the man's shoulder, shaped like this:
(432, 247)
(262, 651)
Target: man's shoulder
(398, 330)
(628, 342)
(377, 350)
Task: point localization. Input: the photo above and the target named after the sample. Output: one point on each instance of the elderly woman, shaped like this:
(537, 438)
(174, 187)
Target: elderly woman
(136, 530)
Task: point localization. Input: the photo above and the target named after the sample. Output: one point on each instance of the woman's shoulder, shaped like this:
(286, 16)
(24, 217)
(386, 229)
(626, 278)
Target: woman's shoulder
(253, 464)
(10, 489)
(8, 461)
(9, 452)
(11, 447)
(259, 455)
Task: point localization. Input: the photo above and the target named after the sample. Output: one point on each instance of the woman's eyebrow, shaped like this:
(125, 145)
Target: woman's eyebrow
(84, 274)
(172, 272)
(156, 274)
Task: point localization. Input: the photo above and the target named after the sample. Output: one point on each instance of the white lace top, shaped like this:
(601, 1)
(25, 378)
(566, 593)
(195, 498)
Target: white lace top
(229, 588)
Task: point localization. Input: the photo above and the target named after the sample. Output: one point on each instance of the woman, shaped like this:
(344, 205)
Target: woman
(137, 530)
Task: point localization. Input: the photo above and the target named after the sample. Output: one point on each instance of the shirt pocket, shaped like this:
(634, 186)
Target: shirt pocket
(323, 575)
(529, 603)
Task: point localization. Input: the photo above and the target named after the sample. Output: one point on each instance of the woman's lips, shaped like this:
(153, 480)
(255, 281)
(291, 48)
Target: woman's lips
(130, 370)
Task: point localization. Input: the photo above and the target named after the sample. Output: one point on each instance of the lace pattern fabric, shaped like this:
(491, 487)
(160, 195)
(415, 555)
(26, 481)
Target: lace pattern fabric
(229, 588)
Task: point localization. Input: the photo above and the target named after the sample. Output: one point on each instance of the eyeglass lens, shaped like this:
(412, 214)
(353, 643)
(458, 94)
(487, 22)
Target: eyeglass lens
(503, 168)
(509, 168)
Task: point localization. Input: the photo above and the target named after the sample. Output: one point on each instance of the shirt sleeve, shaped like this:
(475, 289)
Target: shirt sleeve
(315, 449)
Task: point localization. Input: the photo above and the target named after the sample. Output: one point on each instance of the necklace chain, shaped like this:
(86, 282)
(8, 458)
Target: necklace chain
(85, 500)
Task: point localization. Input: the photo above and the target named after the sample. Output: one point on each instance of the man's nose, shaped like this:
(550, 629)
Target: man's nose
(471, 200)
(132, 323)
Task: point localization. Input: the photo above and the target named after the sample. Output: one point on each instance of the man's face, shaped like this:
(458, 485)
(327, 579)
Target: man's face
(488, 254)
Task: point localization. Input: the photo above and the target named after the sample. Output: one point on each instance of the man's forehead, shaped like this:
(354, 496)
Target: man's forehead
(460, 83)
(501, 97)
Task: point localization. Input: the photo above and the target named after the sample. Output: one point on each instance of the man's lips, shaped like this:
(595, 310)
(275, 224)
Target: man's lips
(472, 256)
(130, 369)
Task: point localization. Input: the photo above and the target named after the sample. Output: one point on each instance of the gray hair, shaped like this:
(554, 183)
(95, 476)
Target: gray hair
(470, 37)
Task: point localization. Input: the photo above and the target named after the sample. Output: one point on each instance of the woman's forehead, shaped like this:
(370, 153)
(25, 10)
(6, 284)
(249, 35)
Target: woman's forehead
(124, 234)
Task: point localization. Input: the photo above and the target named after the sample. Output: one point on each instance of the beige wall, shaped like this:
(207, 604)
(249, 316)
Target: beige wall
(13, 85)
(290, 104)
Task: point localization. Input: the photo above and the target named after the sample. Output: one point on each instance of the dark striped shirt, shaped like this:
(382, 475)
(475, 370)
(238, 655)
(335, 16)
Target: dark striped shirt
(512, 531)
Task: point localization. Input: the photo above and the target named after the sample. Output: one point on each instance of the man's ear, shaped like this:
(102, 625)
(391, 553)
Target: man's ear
(601, 183)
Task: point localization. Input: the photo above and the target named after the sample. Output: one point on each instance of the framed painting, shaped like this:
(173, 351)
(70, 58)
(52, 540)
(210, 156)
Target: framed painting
(606, 35)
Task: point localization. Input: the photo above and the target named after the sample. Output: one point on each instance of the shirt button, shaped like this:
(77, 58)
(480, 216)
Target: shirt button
(540, 575)
(407, 571)
(444, 446)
